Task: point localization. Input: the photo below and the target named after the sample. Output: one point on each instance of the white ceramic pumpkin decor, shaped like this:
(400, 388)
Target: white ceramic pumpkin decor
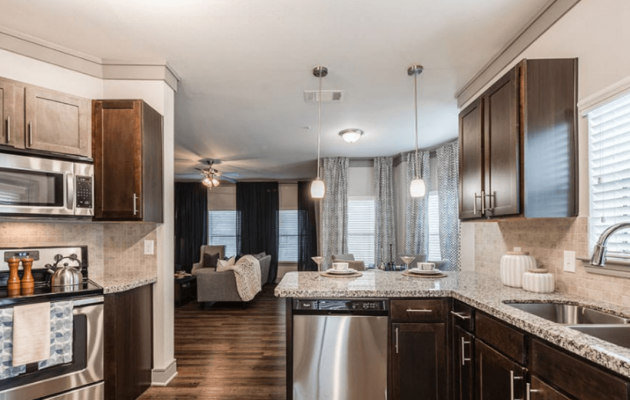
(539, 280)
(513, 266)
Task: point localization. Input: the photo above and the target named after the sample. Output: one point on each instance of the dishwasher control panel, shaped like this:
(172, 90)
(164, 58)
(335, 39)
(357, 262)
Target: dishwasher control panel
(340, 305)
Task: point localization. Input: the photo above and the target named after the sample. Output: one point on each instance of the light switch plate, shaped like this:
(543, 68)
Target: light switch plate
(149, 246)
(569, 261)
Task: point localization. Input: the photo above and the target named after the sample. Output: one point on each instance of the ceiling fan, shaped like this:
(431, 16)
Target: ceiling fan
(212, 175)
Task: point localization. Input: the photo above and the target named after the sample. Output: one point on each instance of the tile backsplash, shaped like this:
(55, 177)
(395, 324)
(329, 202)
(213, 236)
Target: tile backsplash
(546, 240)
(113, 248)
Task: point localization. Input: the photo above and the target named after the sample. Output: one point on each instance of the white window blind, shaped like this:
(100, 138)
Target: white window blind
(609, 170)
(288, 235)
(361, 225)
(222, 230)
(434, 226)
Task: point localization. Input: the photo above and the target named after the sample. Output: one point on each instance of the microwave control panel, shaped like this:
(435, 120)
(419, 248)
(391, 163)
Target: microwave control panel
(84, 192)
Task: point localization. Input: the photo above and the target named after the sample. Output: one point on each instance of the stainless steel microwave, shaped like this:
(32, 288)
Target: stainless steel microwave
(31, 185)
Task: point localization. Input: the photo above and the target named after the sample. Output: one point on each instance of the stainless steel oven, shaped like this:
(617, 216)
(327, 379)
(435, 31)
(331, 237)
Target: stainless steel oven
(81, 379)
(31, 185)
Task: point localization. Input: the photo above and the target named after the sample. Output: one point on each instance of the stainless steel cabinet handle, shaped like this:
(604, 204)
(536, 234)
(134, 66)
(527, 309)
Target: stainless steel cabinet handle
(483, 202)
(396, 340)
(512, 379)
(464, 359)
(490, 197)
(460, 315)
(529, 391)
(70, 191)
(475, 204)
(8, 129)
(135, 208)
(30, 134)
(418, 310)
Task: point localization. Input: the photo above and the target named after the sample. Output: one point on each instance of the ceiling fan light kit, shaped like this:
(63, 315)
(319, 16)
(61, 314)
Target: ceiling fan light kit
(351, 135)
(417, 188)
(318, 189)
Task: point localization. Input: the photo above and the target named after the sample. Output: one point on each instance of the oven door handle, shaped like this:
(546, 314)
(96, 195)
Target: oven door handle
(70, 191)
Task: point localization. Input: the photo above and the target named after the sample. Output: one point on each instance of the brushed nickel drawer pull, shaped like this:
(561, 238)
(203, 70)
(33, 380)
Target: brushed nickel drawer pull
(460, 315)
(529, 391)
(464, 359)
(512, 379)
(396, 340)
(135, 209)
(418, 310)
(8, 129)
(30, 134)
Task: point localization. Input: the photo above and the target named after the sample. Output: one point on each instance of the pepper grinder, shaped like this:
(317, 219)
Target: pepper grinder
(28, 283)
(13, 284)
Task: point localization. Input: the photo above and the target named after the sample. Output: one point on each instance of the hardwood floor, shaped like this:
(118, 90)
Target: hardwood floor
(225, 352)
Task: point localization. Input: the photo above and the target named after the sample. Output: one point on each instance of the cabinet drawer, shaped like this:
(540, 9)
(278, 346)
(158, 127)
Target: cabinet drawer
(463, 316)
(576, 377)
(419, 310)
(502, 337)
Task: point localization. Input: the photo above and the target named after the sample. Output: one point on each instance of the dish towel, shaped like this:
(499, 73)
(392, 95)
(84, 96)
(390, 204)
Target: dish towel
(61, 324)
(7, 370)
(31, 333)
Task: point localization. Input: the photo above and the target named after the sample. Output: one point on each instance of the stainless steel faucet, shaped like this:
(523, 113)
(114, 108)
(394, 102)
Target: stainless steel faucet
(599, 251)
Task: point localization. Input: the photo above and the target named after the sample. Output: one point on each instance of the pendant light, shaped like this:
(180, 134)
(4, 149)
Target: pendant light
(417, 188)
(318, 189)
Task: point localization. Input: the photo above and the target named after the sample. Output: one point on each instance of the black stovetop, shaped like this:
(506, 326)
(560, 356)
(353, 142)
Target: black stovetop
(44, 292)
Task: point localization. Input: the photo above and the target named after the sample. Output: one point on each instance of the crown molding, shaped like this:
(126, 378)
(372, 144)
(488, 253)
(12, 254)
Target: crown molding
(32, 47)
(536, 27)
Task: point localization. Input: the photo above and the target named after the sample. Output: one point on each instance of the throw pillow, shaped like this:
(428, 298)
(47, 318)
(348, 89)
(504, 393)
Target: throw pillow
(225, 265)
(260, 255)
(210, 260)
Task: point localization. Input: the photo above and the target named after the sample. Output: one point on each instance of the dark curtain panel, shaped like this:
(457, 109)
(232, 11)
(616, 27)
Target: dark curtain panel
(191, 222)
(307, 239)
(258, 221)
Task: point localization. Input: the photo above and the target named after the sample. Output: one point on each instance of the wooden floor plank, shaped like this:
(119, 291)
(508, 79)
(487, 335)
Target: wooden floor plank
(227, 353)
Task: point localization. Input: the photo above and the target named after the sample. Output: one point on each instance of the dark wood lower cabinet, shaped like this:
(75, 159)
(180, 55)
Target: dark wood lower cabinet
(464, 364)
(497, 377)
(539, 390)
(419, 361)
(128, 330)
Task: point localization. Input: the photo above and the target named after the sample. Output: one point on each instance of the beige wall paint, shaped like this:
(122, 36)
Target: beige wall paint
(593, 32)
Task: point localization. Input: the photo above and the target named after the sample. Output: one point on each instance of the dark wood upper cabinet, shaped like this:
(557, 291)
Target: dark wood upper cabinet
(497, 377)
(11, 114)
(127, 140)
(524, 131)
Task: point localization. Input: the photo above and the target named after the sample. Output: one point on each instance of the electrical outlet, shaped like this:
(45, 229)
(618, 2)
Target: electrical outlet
(149, 246)
(569, 261)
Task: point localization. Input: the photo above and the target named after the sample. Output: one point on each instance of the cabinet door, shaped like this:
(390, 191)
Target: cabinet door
(497, 377)
(502, 147)
(419, 354)
(471, 160)
(464, 364)
(117, 160)
(11, 114)
(57, 122)
(538, 390)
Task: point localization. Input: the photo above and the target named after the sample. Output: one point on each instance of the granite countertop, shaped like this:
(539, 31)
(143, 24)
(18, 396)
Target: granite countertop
(484, 292)
(117, 284)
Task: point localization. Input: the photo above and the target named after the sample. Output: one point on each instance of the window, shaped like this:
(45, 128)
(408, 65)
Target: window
(288, 236)
(361, 225)
(434, 226)
(222, 230)
(609, 171)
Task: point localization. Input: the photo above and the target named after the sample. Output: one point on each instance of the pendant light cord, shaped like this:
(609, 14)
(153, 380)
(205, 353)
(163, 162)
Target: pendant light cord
(415, 105)
(319, 129)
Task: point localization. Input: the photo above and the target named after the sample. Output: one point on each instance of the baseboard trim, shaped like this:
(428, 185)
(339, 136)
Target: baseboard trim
(162, 377)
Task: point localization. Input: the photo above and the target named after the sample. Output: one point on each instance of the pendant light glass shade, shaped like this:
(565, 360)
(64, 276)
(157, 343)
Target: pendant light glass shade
(318, 190)
(417, 188)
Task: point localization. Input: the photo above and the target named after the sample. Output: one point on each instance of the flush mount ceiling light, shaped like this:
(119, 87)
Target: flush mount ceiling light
(318, 189)
(351, 135)
(417, 188)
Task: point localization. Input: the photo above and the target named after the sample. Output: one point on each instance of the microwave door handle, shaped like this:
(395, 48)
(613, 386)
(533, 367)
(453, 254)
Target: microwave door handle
(70, 191)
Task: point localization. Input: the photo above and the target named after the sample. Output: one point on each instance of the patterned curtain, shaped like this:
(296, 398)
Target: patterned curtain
(385, 230)
(416, 215)
(334, 239)
(448, 188)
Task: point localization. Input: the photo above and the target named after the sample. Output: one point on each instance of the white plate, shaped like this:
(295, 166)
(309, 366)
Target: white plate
(425, 272)
(341, 272)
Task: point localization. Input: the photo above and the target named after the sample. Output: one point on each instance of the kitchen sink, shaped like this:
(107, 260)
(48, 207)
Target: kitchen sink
(617, 334)
(568, 314)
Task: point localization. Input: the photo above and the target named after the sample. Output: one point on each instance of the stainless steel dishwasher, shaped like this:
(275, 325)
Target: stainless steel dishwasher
(340, 349)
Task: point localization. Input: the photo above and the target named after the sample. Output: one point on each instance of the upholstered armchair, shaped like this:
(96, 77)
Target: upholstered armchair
(221, 286)
(349, 258)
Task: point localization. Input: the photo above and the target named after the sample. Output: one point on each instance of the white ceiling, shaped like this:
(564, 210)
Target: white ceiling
(244, 65)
